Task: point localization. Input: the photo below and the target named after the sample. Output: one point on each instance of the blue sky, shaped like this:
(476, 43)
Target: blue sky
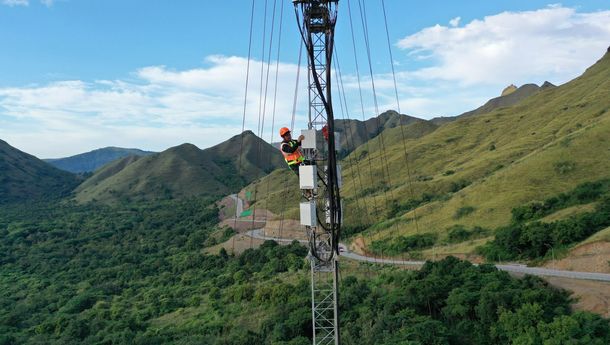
(76, 75)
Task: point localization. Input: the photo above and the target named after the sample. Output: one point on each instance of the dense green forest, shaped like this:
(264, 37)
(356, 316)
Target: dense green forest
(136, 274)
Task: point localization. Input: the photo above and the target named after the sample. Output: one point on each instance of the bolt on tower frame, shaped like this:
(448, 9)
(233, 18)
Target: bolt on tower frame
(317, 19)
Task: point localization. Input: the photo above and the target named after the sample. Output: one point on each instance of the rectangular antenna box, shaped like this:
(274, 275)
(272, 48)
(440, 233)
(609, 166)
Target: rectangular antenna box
(308, 178)
(308, 213)
(310, 139)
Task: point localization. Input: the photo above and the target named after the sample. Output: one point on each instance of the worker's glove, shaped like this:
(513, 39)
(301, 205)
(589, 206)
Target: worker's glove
(301, 138)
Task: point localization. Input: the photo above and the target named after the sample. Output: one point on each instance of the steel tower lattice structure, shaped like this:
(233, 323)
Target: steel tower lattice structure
(317, 19)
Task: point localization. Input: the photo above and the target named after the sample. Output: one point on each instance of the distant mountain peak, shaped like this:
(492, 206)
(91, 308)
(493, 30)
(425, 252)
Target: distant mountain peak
(186, 151)
(185, 146)
(547, 84)
(508, 90)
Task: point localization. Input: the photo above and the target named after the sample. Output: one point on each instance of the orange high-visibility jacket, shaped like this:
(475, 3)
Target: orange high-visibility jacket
(294, 154)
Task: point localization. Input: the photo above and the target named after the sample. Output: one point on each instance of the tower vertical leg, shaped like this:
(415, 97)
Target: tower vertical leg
(324, 303)
(324, 292)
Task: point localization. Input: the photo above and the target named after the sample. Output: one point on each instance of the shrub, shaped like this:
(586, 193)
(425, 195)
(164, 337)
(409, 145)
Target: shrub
(463, 212)
(533, 240)
(403, 244)
(351, 229)
(459, 233)
(584, 193)
(459, 185)
(565, 167)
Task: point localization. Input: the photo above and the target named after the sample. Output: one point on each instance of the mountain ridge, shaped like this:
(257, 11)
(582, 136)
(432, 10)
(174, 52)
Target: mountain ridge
(24, 177)
(510, 96)
(183, 171)
(91, 161)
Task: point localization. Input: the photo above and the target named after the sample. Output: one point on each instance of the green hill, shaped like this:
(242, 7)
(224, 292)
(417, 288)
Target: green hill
(25, 177)
(183, 171)
(93, 160)
(474, 170)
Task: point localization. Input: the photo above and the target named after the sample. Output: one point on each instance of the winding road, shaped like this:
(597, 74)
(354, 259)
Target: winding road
(512, 268)
(239, 205)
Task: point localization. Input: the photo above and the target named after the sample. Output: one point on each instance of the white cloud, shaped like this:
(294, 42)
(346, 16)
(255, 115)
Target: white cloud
(555, 43)
(15, 2)
(47, 3)
(455, 21)
(158, 109)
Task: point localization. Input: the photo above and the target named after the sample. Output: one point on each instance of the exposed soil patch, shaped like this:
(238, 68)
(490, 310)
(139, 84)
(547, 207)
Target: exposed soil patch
(590, 257)
(241, 225)
(226, 208)
(358, 246)
(287, 228)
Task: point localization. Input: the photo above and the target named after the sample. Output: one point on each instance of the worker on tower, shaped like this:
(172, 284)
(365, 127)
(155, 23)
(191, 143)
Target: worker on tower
(291, 149)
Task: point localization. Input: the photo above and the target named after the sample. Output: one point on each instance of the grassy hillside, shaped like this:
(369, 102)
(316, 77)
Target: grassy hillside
(474, 170)
(91, 161)
(183, 171)
(25, 177)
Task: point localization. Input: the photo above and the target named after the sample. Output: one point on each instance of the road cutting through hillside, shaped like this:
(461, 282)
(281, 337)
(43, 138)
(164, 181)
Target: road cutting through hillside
(511, 268)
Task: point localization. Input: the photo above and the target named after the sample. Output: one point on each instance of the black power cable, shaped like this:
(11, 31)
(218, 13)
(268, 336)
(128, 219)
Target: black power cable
(243, 123)
(326, 99)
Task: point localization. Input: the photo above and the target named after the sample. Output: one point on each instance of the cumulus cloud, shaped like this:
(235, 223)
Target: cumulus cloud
(159, 108)
(555, 43)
